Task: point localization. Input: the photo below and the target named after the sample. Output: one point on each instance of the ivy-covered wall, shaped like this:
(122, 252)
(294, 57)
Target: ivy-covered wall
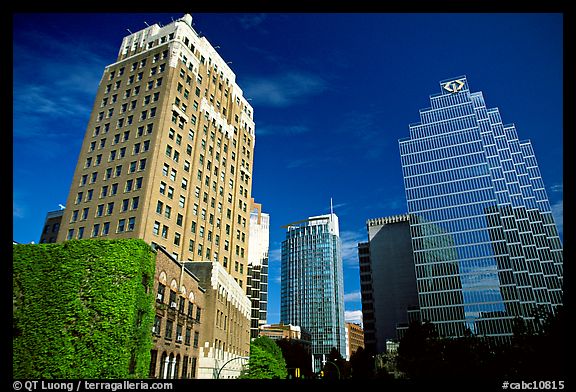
(83, 309)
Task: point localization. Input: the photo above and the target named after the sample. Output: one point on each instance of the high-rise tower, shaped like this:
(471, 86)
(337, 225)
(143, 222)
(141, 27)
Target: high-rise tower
(486, 248)
(168, 151)
(312, 288)
(257, 284)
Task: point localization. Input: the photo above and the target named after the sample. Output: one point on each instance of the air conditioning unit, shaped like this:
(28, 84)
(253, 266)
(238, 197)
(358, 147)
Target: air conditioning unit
(173, 305)
(159, 297)
(179, 338)
(154, 329)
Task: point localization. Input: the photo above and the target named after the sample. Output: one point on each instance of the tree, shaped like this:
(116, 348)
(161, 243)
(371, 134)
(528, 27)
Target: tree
(296, 355)
(335, 366)
(419, 352)
(266, 360)
(361, 364)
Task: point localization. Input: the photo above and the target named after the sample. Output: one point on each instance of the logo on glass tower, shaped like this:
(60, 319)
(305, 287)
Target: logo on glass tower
(454, 86)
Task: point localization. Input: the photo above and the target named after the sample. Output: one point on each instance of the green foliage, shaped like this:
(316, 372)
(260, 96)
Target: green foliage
(537, 351)
(82, 309)
(266, 360)
(296, 355)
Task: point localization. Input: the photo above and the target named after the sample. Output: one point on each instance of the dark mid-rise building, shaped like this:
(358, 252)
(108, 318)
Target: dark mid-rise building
(388, 280)
(51, 226)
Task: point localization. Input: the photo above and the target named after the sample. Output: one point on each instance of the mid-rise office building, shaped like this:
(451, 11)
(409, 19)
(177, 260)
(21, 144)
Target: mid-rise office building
(51, 227)
(354, 339)
(168, 151)
(225, 329)
(388, 280)
(312, 284)
(257, 283)
(486, 248)
(178, 321)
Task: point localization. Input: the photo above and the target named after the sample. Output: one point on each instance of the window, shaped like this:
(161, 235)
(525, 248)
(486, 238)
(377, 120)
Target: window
(106, 228)
(176, 238)
(182, 201)
(131, 223)
(156, 228)
(164, 231)
(121, 225)
(167, 211)
(168, 333)
(135, 201)
(125, 203)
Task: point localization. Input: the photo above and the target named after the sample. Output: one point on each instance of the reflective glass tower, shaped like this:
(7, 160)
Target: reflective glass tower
(312, 288)
(486, 248)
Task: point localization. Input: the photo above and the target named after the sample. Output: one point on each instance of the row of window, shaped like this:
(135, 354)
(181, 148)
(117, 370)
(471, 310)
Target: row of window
(124, 225)
(104, 129)
(111, 190)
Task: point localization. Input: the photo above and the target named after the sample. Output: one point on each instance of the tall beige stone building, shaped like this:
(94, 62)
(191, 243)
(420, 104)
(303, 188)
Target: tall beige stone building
(168, 152)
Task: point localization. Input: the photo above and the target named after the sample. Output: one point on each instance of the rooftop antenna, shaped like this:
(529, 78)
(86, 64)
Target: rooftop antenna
(331, 207)
(146, 23)
(130, 31)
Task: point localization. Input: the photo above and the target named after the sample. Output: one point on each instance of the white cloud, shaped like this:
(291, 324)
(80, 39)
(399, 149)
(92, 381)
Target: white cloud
(250, 21)
(282, 90)
(349, 246)
(353, 316)
(17, 210)
(558, 214)
(353, 297)
(557, 188)
(275, 256)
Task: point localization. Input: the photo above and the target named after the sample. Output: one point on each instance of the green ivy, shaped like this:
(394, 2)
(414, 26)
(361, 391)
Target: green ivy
(82, 309)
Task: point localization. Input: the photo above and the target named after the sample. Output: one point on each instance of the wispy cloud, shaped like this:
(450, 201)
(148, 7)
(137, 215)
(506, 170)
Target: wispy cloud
(556, 188)
(349, 246)
(250, 21)
(267, 130)
(284, 89)
(275, 255)
(353, 297)
(53, 88)
(558, 214)
(18, 211)
(353, 316)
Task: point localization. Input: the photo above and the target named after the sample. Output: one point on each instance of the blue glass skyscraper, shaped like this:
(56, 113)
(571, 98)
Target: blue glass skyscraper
(312, 288)
(486, 248)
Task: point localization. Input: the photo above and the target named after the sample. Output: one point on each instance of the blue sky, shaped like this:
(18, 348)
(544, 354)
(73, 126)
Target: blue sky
(332, 94)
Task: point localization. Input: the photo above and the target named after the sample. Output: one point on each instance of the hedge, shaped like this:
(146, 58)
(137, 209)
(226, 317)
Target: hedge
(82, 309)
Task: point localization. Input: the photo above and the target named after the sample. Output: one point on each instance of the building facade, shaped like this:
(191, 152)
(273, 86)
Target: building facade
(225, 330)
(284, 331)
(168, 151)
(312, 288)
(486, 248)
(354, 339)
(180, 307)
(257, 283)
(388, 279)
(51, 227)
